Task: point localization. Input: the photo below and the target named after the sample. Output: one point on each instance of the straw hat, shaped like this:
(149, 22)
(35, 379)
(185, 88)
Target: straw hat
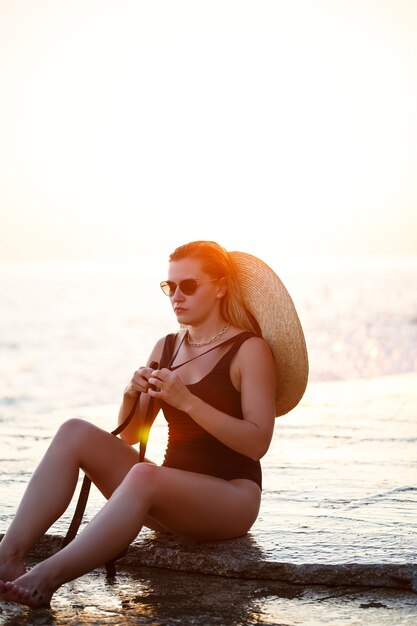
(269, 302)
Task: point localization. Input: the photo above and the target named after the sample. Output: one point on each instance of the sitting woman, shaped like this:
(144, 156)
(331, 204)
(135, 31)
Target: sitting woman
(237, 362)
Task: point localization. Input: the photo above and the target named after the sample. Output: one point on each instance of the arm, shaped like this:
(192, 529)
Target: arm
(139, 384)
(253, 371)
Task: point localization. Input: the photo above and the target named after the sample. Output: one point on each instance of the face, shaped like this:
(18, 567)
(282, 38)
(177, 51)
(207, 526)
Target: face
(196, 307)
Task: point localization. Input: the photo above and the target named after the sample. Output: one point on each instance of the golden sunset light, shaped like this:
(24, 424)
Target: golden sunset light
(234, 180)
(272, 125)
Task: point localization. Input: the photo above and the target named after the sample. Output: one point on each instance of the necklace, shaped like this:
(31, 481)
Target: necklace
(197, 344)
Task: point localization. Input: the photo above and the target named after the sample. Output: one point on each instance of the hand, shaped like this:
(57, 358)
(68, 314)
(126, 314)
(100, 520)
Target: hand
(139, 382)
(166, 385)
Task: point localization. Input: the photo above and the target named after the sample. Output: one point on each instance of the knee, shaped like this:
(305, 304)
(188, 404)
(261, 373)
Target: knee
(74, 429)
(142, 478)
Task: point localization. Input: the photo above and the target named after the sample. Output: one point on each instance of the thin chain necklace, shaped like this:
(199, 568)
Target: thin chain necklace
(197, 344)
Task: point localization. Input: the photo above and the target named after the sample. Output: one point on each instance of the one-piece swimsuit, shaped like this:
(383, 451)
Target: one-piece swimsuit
(192, 448)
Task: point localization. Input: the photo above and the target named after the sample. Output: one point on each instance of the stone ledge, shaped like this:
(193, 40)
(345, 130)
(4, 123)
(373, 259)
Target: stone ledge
(242, 558)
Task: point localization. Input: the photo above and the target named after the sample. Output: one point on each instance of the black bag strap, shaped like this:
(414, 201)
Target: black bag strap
(86, 484)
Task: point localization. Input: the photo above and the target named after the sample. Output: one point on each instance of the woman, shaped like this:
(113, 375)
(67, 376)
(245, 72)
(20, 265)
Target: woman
(216, 384)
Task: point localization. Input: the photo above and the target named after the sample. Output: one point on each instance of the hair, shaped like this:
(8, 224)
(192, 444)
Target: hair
(217, 263)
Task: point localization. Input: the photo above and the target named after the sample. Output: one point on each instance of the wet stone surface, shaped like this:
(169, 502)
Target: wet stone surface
(155, 596)
(152, 596)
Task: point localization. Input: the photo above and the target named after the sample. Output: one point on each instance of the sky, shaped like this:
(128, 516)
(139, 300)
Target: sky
(275, 127)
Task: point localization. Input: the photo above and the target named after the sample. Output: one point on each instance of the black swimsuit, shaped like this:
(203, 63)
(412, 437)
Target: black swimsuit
(192, 448)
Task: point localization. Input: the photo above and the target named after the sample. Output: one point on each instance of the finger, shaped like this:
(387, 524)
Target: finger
(154, 381)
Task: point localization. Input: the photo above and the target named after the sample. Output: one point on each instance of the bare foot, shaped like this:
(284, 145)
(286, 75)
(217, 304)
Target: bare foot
(26, 590)
(10, 570)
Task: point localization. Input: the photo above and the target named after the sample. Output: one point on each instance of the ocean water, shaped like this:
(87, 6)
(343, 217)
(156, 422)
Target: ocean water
(71, 335)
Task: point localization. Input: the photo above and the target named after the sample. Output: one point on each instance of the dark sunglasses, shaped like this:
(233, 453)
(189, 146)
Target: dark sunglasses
(188, 286)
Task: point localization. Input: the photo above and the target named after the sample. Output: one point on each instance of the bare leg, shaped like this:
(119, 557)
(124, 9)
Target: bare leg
(110, 532)
(49, 492)
(187, 503)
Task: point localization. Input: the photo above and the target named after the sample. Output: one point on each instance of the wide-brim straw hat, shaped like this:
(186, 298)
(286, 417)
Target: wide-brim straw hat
(267, 299)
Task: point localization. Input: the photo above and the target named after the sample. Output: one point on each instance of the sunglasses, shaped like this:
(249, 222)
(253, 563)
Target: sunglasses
(188, 286)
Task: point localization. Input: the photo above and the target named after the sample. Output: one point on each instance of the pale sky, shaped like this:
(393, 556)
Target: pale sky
(132, 126)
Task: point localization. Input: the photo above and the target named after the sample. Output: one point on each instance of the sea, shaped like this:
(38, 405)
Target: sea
(72, 333)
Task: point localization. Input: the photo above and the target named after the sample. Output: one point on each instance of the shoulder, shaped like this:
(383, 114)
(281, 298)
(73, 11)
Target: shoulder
(251, 350)
(170, 338)
(166, 347)
(254, 367)
(163, 343)
(254, 346)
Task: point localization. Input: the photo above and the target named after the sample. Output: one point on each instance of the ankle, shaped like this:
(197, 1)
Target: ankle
(49, 578)
(10, 555)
